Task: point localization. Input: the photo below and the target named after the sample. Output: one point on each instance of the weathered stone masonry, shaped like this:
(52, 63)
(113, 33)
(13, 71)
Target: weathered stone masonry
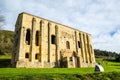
(41, 43)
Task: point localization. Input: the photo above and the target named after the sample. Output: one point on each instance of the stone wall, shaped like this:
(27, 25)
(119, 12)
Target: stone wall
(42, 43)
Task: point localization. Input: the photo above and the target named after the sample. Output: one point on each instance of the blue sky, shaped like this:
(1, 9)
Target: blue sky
(101, 18)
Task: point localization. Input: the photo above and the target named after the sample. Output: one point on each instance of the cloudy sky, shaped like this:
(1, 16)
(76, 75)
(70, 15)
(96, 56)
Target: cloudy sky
(101, 18)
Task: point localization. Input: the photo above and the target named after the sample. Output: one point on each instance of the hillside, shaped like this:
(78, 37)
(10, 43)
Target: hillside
(6, 42)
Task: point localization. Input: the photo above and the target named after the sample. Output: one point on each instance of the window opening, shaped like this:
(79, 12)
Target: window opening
(27, 55)
(36, 56)
(67, 44)
(28, 37)
(71, 59)
(78, 44)
(37, 38)
(53, 39)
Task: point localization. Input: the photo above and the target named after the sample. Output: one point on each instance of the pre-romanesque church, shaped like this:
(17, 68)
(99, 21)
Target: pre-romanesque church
(41, 43)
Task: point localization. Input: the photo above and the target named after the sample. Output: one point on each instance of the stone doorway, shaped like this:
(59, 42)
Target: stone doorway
(77, 61)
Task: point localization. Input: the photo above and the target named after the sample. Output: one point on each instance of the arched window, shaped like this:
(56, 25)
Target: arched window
(67, 44)
(28, 37)
(36, 56)
(53, 39)
(79, 44)
(27, 55)
(37, 38)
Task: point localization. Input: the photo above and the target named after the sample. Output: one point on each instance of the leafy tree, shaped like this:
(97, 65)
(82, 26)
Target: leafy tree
(105, 54)
(117, 58)
(6, 42)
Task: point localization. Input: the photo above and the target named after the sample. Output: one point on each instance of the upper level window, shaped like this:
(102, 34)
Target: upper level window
(37, 38)
(79, 44)
(53, 39)
(28, 37)
(68, 44)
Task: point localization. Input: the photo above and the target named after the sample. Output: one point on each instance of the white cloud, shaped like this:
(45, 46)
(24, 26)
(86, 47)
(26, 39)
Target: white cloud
(108, 42)
(98, 17)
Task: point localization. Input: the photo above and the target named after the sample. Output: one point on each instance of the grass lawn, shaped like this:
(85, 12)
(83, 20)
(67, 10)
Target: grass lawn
(32, 71)
(46, 70)
(5, 57)
(109, 66)
(61, 73)
(58, 74)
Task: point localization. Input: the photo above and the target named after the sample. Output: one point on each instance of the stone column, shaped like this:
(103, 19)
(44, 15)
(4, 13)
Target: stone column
(39, 45)
(82, 48)
(86, 50)
(24, 43)
(21, 55)
(93, 55)
(81, 58)
(76, 42)
(57, 46)
(41, 40)
(92, 50)
(32, 53)
(88, 47)
(49, 41)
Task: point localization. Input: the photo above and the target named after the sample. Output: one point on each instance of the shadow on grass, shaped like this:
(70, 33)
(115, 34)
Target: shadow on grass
(115, 64)
(5, 63)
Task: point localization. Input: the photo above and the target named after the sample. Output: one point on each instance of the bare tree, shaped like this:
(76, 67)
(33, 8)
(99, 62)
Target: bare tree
(2, 20)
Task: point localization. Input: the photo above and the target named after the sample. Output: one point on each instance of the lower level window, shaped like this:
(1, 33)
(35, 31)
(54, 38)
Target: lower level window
(36, 56)
(27, 55)
(71, 59)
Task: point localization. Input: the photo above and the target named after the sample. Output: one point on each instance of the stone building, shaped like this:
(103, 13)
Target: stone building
(41, 43)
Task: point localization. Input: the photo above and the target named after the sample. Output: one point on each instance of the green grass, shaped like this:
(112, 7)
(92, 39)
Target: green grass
(59, 73)
(20, 71)
(5, 57)
(109, 66)
(43, 73)
(56, 74)
(98, 59)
